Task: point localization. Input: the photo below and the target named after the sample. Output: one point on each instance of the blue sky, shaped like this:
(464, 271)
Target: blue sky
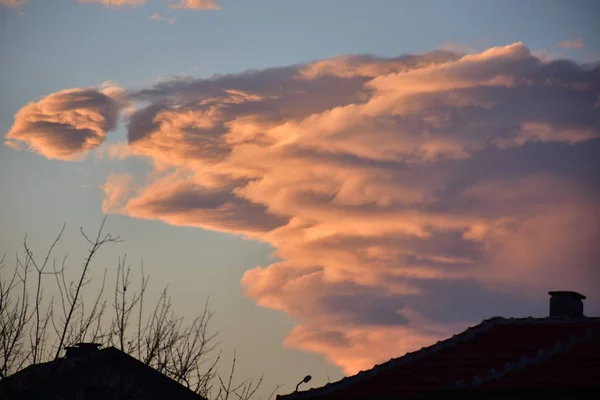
(59, 44)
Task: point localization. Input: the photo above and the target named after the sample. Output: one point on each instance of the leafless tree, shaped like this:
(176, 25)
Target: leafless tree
(33, 330)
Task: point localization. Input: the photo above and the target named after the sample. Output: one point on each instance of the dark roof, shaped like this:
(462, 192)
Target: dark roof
(499, 353)
(560, 368)
(69, 369)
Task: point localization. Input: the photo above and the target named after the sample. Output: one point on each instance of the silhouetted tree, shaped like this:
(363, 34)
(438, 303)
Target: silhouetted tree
(33, 330)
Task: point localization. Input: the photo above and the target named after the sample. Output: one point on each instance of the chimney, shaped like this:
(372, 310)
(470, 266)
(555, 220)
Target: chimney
(566, 304)
(82, 350)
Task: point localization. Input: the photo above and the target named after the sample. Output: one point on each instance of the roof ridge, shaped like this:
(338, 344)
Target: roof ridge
(462, 337)
(541, 356)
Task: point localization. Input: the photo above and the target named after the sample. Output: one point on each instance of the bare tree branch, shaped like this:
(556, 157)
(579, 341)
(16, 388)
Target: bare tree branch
(34, 329)
(96, 245)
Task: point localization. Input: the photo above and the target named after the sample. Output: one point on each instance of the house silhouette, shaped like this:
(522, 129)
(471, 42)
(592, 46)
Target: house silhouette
(88, 372)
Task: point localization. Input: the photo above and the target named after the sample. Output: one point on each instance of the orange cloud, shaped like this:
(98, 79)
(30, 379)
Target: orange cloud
(572, 44)
(197, 5)
(541, 132)
(395, 191)
(13, 3)
(67, 124)
(157, 17)
(360, 159)
(117, 189)
(359, 348)
(545, 55)
(196, 205)
(456, 47)
(115, 3)
(368, 66)
(565, 224)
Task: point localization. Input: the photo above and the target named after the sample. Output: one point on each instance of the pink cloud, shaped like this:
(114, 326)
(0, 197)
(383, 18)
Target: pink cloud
(368, 66)
(359, 348)
(116, 190)
(540, 132)
(180, 201)
(115, 3)
(545, 55)
(13, 3)
(572, 44)
(197, 5)
(67, 124)
(567, 235)
(395, 191)
(456, 47)
(157, 17)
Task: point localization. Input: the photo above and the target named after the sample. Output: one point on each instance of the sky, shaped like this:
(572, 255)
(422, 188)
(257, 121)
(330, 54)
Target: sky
(346, 180)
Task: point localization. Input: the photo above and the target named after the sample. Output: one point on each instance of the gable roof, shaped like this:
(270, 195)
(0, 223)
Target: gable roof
(67, 369)
(498, 353)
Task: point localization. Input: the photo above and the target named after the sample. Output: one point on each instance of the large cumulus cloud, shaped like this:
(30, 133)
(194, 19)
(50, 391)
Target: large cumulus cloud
(400, 194)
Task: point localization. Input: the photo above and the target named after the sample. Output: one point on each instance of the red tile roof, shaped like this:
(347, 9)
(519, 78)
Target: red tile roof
(499, 353)
(573, 364)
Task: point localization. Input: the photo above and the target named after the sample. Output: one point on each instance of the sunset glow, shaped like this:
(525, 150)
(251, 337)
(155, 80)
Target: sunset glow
(403, 197)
